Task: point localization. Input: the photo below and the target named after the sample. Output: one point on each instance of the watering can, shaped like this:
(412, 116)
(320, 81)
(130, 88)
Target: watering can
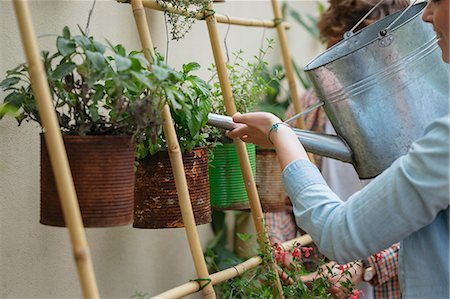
(380, 87)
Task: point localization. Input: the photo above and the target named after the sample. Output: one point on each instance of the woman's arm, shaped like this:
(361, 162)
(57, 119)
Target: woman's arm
(408, 194)
(403, 199)
(267, 130)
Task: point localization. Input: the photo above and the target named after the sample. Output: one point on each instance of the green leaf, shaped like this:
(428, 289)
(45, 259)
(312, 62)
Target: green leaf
(170, 95)
(65, 46)
(16, 99)
(8, 109)
(119, 49)
(194, 125)
(83, 70)
(244, 236)
(63, 70)
(154, 148)
(203, 87)
(97, 59)
(192, 66)
(139, 60)
(82, 41)
(143, 79)
(135, 64)
(18, 69)
(160, 73)
(141, 151)
(99, 93)
(130, 85)
(122, 63)
(99, 46)
(66, 32)
(94, 113)
(8, 82)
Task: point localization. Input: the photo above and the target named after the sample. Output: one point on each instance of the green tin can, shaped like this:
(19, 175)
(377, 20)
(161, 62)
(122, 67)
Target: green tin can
(227, 186)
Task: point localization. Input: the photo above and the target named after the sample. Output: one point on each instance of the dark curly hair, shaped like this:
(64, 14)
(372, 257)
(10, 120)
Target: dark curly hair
(342, 15)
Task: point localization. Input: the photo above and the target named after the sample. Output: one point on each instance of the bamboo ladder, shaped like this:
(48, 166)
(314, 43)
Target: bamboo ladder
(57, 152)
(257, 214)
(63, 176)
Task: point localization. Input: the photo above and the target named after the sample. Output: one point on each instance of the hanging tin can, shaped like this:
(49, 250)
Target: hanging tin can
(226, 183)
(268, 182)
(156, 199)
(103, 174)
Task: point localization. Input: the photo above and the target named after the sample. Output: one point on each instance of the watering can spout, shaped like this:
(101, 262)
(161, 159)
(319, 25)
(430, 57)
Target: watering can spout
(330, 146)
(325, 145)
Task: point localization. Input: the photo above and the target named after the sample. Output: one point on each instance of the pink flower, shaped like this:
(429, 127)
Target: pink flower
(342, 268)
(296, 253)
(278, 247)
(280, 256)
(307, 251)
(355, 294)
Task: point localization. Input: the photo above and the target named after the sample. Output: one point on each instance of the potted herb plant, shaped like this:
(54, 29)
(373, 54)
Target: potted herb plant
(103, 97)
(156, 201)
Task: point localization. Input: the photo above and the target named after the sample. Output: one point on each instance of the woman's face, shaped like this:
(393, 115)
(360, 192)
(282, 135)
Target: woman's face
(436, 13)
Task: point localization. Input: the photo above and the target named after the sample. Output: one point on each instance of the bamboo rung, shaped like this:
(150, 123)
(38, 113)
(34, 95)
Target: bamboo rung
(220, 18)
(224, 275)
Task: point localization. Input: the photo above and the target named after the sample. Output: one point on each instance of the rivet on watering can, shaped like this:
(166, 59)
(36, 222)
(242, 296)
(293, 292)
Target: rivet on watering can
(348, 34)
(385, 41)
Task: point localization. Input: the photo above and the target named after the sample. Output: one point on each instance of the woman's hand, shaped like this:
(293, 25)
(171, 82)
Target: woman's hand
(254, 127)
(338, 276)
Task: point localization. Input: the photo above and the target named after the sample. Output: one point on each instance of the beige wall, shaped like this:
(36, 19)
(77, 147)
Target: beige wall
(35, 260)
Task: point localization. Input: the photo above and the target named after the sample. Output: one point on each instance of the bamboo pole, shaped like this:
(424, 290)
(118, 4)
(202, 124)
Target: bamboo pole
(176, 162)
(287, 62)
(244, 161)
(230, 273)
(57, 152)
(220, 18)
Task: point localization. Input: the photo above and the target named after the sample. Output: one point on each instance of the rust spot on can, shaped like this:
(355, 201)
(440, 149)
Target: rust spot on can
(156, 198)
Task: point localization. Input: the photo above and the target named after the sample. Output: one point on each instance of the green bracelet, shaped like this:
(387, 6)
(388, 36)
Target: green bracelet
(274, 127)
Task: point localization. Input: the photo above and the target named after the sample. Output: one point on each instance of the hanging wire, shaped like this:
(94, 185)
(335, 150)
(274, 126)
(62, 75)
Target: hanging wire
(263, 39)
(86, 30)
(167, 39)
(227, 52)
(404, 11)
(350, 32)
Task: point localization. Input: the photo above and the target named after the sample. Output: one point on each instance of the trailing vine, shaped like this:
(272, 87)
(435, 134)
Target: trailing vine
(181, 24)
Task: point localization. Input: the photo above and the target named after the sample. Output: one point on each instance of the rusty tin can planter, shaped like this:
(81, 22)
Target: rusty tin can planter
(226, 182)
(268, 182)
(103, 173)
(156, 200)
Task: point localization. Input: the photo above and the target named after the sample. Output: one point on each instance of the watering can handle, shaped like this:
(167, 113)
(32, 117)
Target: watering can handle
(304, 112)
(382, 32)
(226, 122)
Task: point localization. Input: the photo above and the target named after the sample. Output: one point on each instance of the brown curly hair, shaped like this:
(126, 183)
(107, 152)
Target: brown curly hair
(342, 15)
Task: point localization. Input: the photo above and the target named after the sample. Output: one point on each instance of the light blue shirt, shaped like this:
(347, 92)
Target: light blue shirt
(408, 202)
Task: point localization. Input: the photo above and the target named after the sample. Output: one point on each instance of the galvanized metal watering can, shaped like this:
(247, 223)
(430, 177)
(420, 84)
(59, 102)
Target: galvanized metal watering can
(380, 88)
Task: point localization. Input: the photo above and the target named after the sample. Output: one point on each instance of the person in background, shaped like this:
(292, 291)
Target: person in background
(409, 201)
(379, 270)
